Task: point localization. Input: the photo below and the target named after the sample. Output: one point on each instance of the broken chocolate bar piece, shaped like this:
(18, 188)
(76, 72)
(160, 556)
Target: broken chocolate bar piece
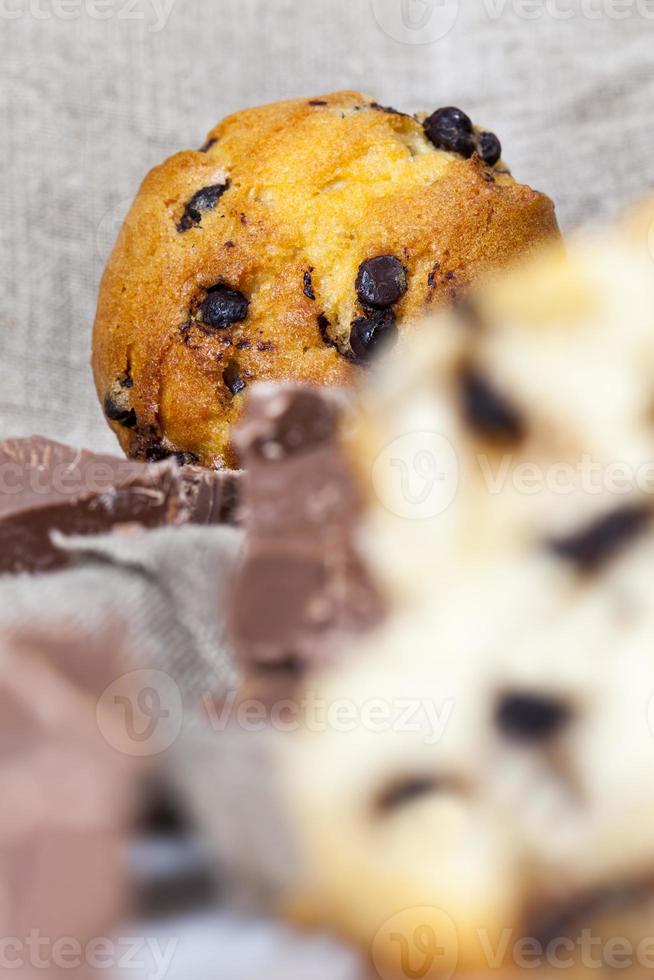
(302, 583)
(46, 486)
(67, 795)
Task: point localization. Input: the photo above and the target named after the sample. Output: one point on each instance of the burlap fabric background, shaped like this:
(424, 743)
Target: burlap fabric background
(95, 92)
(88, 105)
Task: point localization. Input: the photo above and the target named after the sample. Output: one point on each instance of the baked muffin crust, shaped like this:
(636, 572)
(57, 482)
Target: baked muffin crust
(243, 261)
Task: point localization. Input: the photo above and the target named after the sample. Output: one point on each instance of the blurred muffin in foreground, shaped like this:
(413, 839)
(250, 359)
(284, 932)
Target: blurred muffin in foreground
(465, 786)
(503, 786)
(303, 237)
(531, 406)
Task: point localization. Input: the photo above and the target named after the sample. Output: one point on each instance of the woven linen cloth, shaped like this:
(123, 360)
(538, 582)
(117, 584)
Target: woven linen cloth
(161, 591)
(96, 92)
(93, 94)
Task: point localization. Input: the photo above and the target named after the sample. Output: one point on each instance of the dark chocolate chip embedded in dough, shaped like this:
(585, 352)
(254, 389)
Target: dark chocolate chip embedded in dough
(490, 148)
(223, 307)
(232, 378)
(323, 326)
(389, 110)
(487, 412)
(372, 334)
(117, 405)
(451, 129)
(308, 285)
(405, 791)
(604, 538)
(156, 452)
(532, 718)
(381, 281)
(203, 200)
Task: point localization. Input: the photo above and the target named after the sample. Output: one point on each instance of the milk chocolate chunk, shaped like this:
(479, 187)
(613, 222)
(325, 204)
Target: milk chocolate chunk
(62, 843)
(302, 585)
(46, 486)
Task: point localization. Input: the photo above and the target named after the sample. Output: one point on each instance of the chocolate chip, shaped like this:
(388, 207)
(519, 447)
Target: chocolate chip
(207, 146)
(265, 345)
(373, 333)
(290, 665)
(229, 244)
(242, 345)
(117, 407)
(308, 285)
(389, 110)
(431, 278)
(186, 459)
(405, 791)
(232, 378)
(490, 148)
(203, 200)
(381, 281)
(603, 538)
(223, 307)
(488, 412)
(317, 102)
(451, 129)
(156, 452)
(323, 326)
(532, 718)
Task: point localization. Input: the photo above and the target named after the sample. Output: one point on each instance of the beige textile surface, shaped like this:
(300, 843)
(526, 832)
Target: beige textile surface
(95, 92)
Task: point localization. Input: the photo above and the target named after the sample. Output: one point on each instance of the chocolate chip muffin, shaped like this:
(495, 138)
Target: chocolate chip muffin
(302, 238)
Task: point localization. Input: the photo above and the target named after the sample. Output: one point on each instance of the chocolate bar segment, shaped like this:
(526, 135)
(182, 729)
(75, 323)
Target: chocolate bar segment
(46, 486)
(302, 583)
(67, 798)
